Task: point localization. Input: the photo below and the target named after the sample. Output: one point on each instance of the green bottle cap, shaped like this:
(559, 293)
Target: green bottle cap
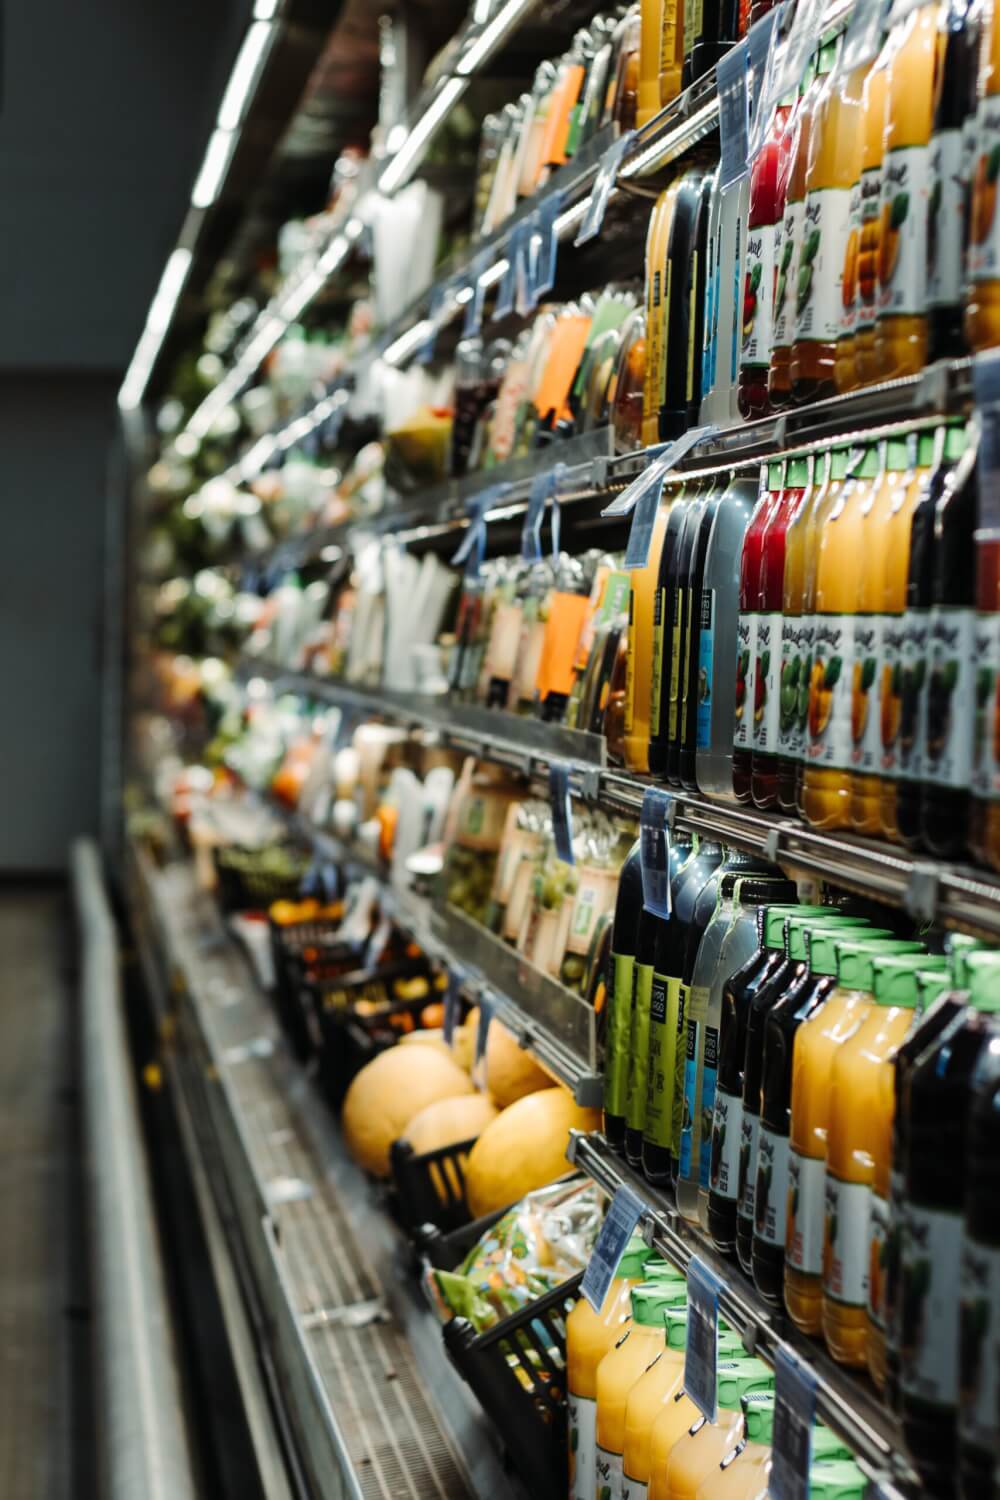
(931, 983)
(758, 1410)
(839, 1480)
(863, 462)
(776, 475)
(730, 1344)
(651, 1299)
(826, 1445)
(774, 922)
(676, 1322)
(895, 976)
(738, 1378)
(954, 441)
(634, 1260)
(925, 449)
(657, 1267)
(827, 53)
(797, 476)
(797, 927)
(984, 980)
(958, 948)
(897, 455)
(854, 959)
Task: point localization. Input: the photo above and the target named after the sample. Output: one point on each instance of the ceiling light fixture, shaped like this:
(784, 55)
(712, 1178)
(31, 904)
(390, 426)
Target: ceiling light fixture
(214, 167)
(243, 78)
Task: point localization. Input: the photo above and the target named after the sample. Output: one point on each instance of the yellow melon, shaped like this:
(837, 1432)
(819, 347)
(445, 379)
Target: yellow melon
(523, 1149)
(445, 1123)
(510, 1071)
(434, 1038)
(386, 1095)
(463, 1041)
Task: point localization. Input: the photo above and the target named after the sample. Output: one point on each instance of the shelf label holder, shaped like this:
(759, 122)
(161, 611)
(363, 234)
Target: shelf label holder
(794, 1415)
(562, 816)
(640, 534)
(607, 175)
(654, 851)
(701, 1358)
(733, 78)
(624, 1213)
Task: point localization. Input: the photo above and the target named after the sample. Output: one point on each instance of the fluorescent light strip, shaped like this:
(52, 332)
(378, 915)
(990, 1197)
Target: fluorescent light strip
(485, 44)
(161, 310)
(266, 10)
(213, 168)
(243, 78)
(665, 148)
(409, 342)
(398, 169)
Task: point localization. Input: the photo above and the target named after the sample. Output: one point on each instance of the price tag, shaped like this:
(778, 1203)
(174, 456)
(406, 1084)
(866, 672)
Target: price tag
(731, 73)
(474, 307)
(607, 175)
(643, 521)
(762, 51)
(803, 35)
(472, 548)
(667, 458)
(623, 1215)
(701, 1357)
(543, 489)
(452, 1001)
(545, 245)
(869, 19)
(439, 297)
(562, 815)
(794, 1416)
(654, 851)
(986, 389)
(483, 1030)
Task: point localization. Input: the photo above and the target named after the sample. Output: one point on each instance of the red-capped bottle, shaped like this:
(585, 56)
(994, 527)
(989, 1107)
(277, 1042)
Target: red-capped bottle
(767, 674)
(751, 559)
(766, 210)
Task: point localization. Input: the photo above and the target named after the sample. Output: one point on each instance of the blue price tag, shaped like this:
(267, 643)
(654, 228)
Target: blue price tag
(562, 816)
(734, 114)
(543, 488)
(523, 275)
(654, 851)
(607, 175)
(794, 1417)
(472, 548)
(483, 1030)
(439, 297)
(668, 458)
(474, 306)
(986, 388)
(545, 245)
(623, 1215)
(643, 521)
(452, 1001)
(761, 55)
(701, 1357)
(503, 304)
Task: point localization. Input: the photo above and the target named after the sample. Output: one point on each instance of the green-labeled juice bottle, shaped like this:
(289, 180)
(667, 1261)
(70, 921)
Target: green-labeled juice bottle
(706, 1444)
(618, 1035)
(622, 1366)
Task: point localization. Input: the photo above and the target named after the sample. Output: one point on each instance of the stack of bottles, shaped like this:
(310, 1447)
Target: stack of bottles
(632, 1429)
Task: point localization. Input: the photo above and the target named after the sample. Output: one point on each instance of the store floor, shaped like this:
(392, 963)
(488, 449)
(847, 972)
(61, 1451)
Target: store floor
(45, 1355)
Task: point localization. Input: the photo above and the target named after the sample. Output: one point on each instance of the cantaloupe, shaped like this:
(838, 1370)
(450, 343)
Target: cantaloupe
(463, 1041)
(386, 1095)
(445, 1123)
(433, 1038)
(510, 1071)
(523, 1149)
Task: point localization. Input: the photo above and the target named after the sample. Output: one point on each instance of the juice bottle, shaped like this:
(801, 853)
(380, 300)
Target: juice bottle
(816, 1045)
(979, 1318)
(796, 642)
(751, 560)
(792, 970)
(676, 630)
(757, 330)
(912, 737)
(952, 665)
(827, 499)
(618, 1034)
(727, 1165)
(953, 103)
(896, 564)
(984, 812)
(834, 165)
(680, 306)
(883, 502)
(663, 625)
(793, 229)
(638, 1052)
(692, 683)
(589, 1336)
(840, 1480)
(669, 999)
(901, 332)
(658, 271)
(767, 668)
(717, 647)
(640, 651)
(743, 1473)
(702, 277)
(705, 1444)
(619, 1370)
(671, 50)
(860, 1097)
(650, 43)
(826, 787)
(982, 316)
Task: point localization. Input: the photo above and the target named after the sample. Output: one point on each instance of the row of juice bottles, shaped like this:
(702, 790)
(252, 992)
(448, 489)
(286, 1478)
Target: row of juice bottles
(821, 1092)
(633, 1431)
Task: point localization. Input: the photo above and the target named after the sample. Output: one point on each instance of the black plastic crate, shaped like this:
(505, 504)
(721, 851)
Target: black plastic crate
(348, 1040)
(300, 950)
(445, 1249)
(430, 1185)
(244, 888)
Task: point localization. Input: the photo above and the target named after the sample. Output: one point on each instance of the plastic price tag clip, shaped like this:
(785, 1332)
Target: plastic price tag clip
(624, 1213)
(932, 390)
(772, 845)
(562, 815)
(590, 783)
(921, 896)
(599, 471)
(604, 182)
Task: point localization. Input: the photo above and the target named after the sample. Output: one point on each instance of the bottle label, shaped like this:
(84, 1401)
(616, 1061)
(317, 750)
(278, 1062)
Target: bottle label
(902, 251)
(897, 1231)
(912, 708)
(819, 284)
(932, 1263)
(845, 1241)
(727, 1134)
(662, 1041)
(633, 1489)
(786, 271)
(829, 718)
(890, 693)
(767, 672)
(878, 1260)
(804, 1230)
(697, 1012)
(582, 1446)
(985, 747)
(945, 213)
(635, 1104)
(984, 223)
(865, 727)
(736, 305)
(758, 290)
(630, 666)
(709, 1075)
(693, 21)
(793, 690)
(866, 299)
(686, 699)
(677, 615)
(951, 685)
(979, 1346)
(749, 1139)
(608, 1467)
(656, 682)
(746, 647)
(706, 661)
(849, 275)
(771, 1191)
(619, 1035)
(680, 1058)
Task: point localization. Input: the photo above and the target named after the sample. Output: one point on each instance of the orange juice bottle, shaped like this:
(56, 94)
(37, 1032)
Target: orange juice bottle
(858, 1100)
(982, 314)
(826, 784)
(896, 560)
(856, 350)
(816, 1044)
(901, 332)
(621, 1367)
(650, 42)
(589, 1336)
(705, 1444)
(796, 639)
(832, 473)
(834, 166)
(743, 1473)
(639, 664)
(866, 730)
(658, 276)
